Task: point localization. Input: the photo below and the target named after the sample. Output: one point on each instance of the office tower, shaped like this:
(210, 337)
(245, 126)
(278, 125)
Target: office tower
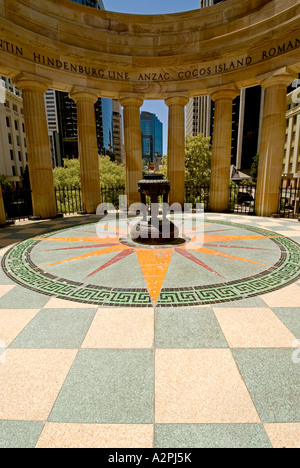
(53, 127)
(119, 151)
(66, 109)
(291, 163)
(13, 152)
(152, 137)
(246, 119)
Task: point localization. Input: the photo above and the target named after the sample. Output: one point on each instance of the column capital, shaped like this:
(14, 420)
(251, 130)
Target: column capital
(87, 95)
(135, 100)
(279, 78)
(223, 93)
(177, 100)
(32, 82)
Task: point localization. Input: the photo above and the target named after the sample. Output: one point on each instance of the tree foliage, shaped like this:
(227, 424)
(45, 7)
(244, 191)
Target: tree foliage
(3, 182)
(197, 161)
(254, 168)
(111, 174)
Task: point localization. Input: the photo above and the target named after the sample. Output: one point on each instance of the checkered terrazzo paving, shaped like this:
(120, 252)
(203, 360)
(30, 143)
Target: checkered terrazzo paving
(221, 374)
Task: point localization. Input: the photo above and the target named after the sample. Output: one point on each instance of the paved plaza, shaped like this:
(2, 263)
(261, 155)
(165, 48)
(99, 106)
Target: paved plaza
(108, 343)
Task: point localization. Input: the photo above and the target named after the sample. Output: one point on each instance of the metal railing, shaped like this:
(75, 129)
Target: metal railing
(241, 197)
(68, 200)
(17, 204)
(111, 195)
(197, 195)
(289, 202)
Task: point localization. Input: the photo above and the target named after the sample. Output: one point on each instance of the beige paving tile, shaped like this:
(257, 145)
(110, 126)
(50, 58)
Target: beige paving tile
(290, 233)
(5, 289)
(96, 436)
(284, 435)
(5, 249)
(253, 328)
(56, 303)
(30, 381)
(201, 387)
(121, 328)
(13, 321)
(287, 297)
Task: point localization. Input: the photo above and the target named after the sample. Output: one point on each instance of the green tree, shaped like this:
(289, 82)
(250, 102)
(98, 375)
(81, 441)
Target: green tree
(197, 160)
(3, 182)
(164, 167)
(111, 174)
(254, 168)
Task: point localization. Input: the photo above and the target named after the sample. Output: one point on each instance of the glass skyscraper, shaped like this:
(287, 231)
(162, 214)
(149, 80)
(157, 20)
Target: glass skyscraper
(152, 136)
(67, 116)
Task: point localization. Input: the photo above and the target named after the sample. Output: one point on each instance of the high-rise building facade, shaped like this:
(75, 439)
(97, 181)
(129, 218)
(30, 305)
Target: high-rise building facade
(246, 119)
(64, 141)
(119, 150)
(53, 127)
(152, 136)
(13, 148)
(291, 163)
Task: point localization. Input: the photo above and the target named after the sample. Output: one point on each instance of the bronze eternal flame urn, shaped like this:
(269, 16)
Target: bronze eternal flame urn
(153, 229)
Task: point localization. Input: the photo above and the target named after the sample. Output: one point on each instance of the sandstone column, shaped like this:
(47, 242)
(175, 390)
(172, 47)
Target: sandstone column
(133, 146)
(88, 149)
(38, 149)
(2, 210)
(176, 148)
(221, 150)
(272, 144)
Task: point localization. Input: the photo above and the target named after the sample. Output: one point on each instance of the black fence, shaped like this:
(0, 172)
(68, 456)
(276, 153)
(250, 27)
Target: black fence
(241, 197)
(289, 202)
(17, 204)
(68, 200)
(111, 195)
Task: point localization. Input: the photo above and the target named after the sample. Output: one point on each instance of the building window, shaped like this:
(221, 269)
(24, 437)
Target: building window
(15, 108)
(23, 127)
(18, 140)
(12, 155)
(13, 170)
(9, 139)
(25, 143)
(20, 156)
(7, 122)
(16, 125)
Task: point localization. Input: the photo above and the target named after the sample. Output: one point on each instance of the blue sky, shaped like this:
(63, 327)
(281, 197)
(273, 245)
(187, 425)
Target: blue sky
(153, 7)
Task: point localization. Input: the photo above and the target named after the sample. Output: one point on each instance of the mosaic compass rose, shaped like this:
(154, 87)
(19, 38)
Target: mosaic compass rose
(218, 262)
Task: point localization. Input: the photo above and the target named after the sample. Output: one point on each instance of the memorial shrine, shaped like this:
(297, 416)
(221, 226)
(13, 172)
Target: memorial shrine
(93, 53)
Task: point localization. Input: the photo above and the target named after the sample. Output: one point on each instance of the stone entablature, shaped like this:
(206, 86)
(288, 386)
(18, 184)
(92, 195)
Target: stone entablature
(71, 45)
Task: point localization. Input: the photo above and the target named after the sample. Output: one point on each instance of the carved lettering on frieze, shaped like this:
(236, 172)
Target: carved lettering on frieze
(201, 71)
